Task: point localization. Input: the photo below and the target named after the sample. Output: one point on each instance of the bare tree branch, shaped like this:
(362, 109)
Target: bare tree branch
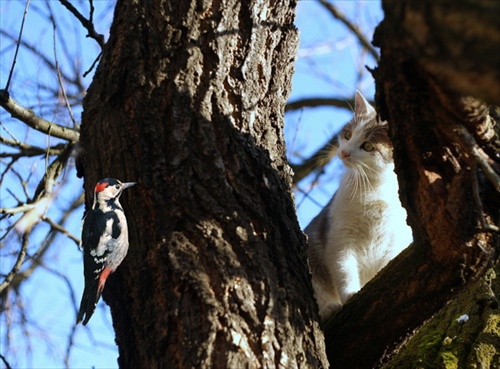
(17, 265)
(59, 75)
(27, 150)
(18, 209)
(314, 102)
(357, 32)
(316, 161)
(7, 365)
(52, 173)
(31, 119)
(93, 65)
(57, 227)
(36, 258)
(17, 46)
(480, 157)
(75, 80)
(89, 26)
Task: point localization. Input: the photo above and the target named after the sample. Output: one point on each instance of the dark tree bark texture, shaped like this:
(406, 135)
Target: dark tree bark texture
(188, 101)
(446, 154)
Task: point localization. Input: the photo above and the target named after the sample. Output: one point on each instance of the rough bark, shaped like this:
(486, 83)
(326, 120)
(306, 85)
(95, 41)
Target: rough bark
(188, 101)
(465, 333)
(446, 154)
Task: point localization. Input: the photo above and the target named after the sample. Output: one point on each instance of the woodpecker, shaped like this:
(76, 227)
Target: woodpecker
(104, 242)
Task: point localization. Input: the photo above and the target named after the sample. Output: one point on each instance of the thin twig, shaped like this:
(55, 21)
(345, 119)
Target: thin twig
(59, 228)
(7, 365)
(85, 23)
(44, 188)
(17, 265)
(73, 298)
(484, 226)
(93, 65)
(17, 45)
(479, 155)
(91, 12)
(52, 173)
(59, 76)
(49, 64)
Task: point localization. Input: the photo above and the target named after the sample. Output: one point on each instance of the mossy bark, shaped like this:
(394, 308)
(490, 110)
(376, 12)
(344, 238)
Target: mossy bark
(463, 334)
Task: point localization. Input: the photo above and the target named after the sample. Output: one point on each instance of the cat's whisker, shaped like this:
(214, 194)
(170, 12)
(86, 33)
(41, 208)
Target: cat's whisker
(359, 184)
(365, 183)
(371, 169)
(352, 183)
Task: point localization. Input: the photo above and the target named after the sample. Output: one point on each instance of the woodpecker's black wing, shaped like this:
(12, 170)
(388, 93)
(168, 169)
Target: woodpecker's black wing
(100, 229)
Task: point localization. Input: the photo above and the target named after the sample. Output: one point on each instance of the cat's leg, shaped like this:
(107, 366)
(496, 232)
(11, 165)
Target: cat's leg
(327, 298)
(346, 277)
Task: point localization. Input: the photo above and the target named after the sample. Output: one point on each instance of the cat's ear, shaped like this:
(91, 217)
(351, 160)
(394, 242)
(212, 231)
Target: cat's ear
(361, 106)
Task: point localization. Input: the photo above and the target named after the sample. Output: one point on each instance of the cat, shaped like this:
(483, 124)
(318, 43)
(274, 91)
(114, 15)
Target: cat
(364, 225)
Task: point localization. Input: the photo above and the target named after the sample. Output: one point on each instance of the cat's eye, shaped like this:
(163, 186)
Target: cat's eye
(347, 135)
(367, 146)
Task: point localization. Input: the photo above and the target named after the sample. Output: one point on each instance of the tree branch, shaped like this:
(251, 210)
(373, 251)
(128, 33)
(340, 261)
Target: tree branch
(52, 173)
(89, 26)
(31, 119)
(7, 365)
(357, 32)
(320, 101)
(18, 209)
(26, 150)
(59, 228)
(316, 161)
(17, 265)
(18, 42)
(48, 63)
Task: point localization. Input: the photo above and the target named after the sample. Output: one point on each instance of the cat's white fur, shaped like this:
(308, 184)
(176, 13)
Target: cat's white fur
(364, 225)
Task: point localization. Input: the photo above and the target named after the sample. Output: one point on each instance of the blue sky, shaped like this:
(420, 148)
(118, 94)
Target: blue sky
(327, 65)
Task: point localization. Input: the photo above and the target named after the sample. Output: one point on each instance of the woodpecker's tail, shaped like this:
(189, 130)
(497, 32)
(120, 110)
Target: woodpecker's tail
(91, 294)
(89, 301)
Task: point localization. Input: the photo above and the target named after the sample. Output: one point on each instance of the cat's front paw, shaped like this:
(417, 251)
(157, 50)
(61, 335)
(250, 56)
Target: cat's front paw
(346, 295)
(327, 311)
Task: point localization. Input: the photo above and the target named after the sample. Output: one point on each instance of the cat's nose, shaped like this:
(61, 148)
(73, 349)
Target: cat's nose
(344, 154)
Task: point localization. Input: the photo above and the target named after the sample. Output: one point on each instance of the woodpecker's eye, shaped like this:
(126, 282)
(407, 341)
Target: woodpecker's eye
(367, 146)
(117, 187)
(347, 135)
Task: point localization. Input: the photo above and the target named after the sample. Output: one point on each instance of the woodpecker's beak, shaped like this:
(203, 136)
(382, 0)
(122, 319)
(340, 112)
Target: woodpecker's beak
(128, 184)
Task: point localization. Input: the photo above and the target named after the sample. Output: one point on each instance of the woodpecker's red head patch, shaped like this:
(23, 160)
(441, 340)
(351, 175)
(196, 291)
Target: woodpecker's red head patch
(100, 186)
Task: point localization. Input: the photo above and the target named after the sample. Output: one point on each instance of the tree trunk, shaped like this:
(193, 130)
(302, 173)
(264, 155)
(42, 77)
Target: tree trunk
(188, 101)
(447, 159)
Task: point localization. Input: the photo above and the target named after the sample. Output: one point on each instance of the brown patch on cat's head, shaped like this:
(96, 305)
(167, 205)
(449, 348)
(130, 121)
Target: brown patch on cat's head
(377, 133)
